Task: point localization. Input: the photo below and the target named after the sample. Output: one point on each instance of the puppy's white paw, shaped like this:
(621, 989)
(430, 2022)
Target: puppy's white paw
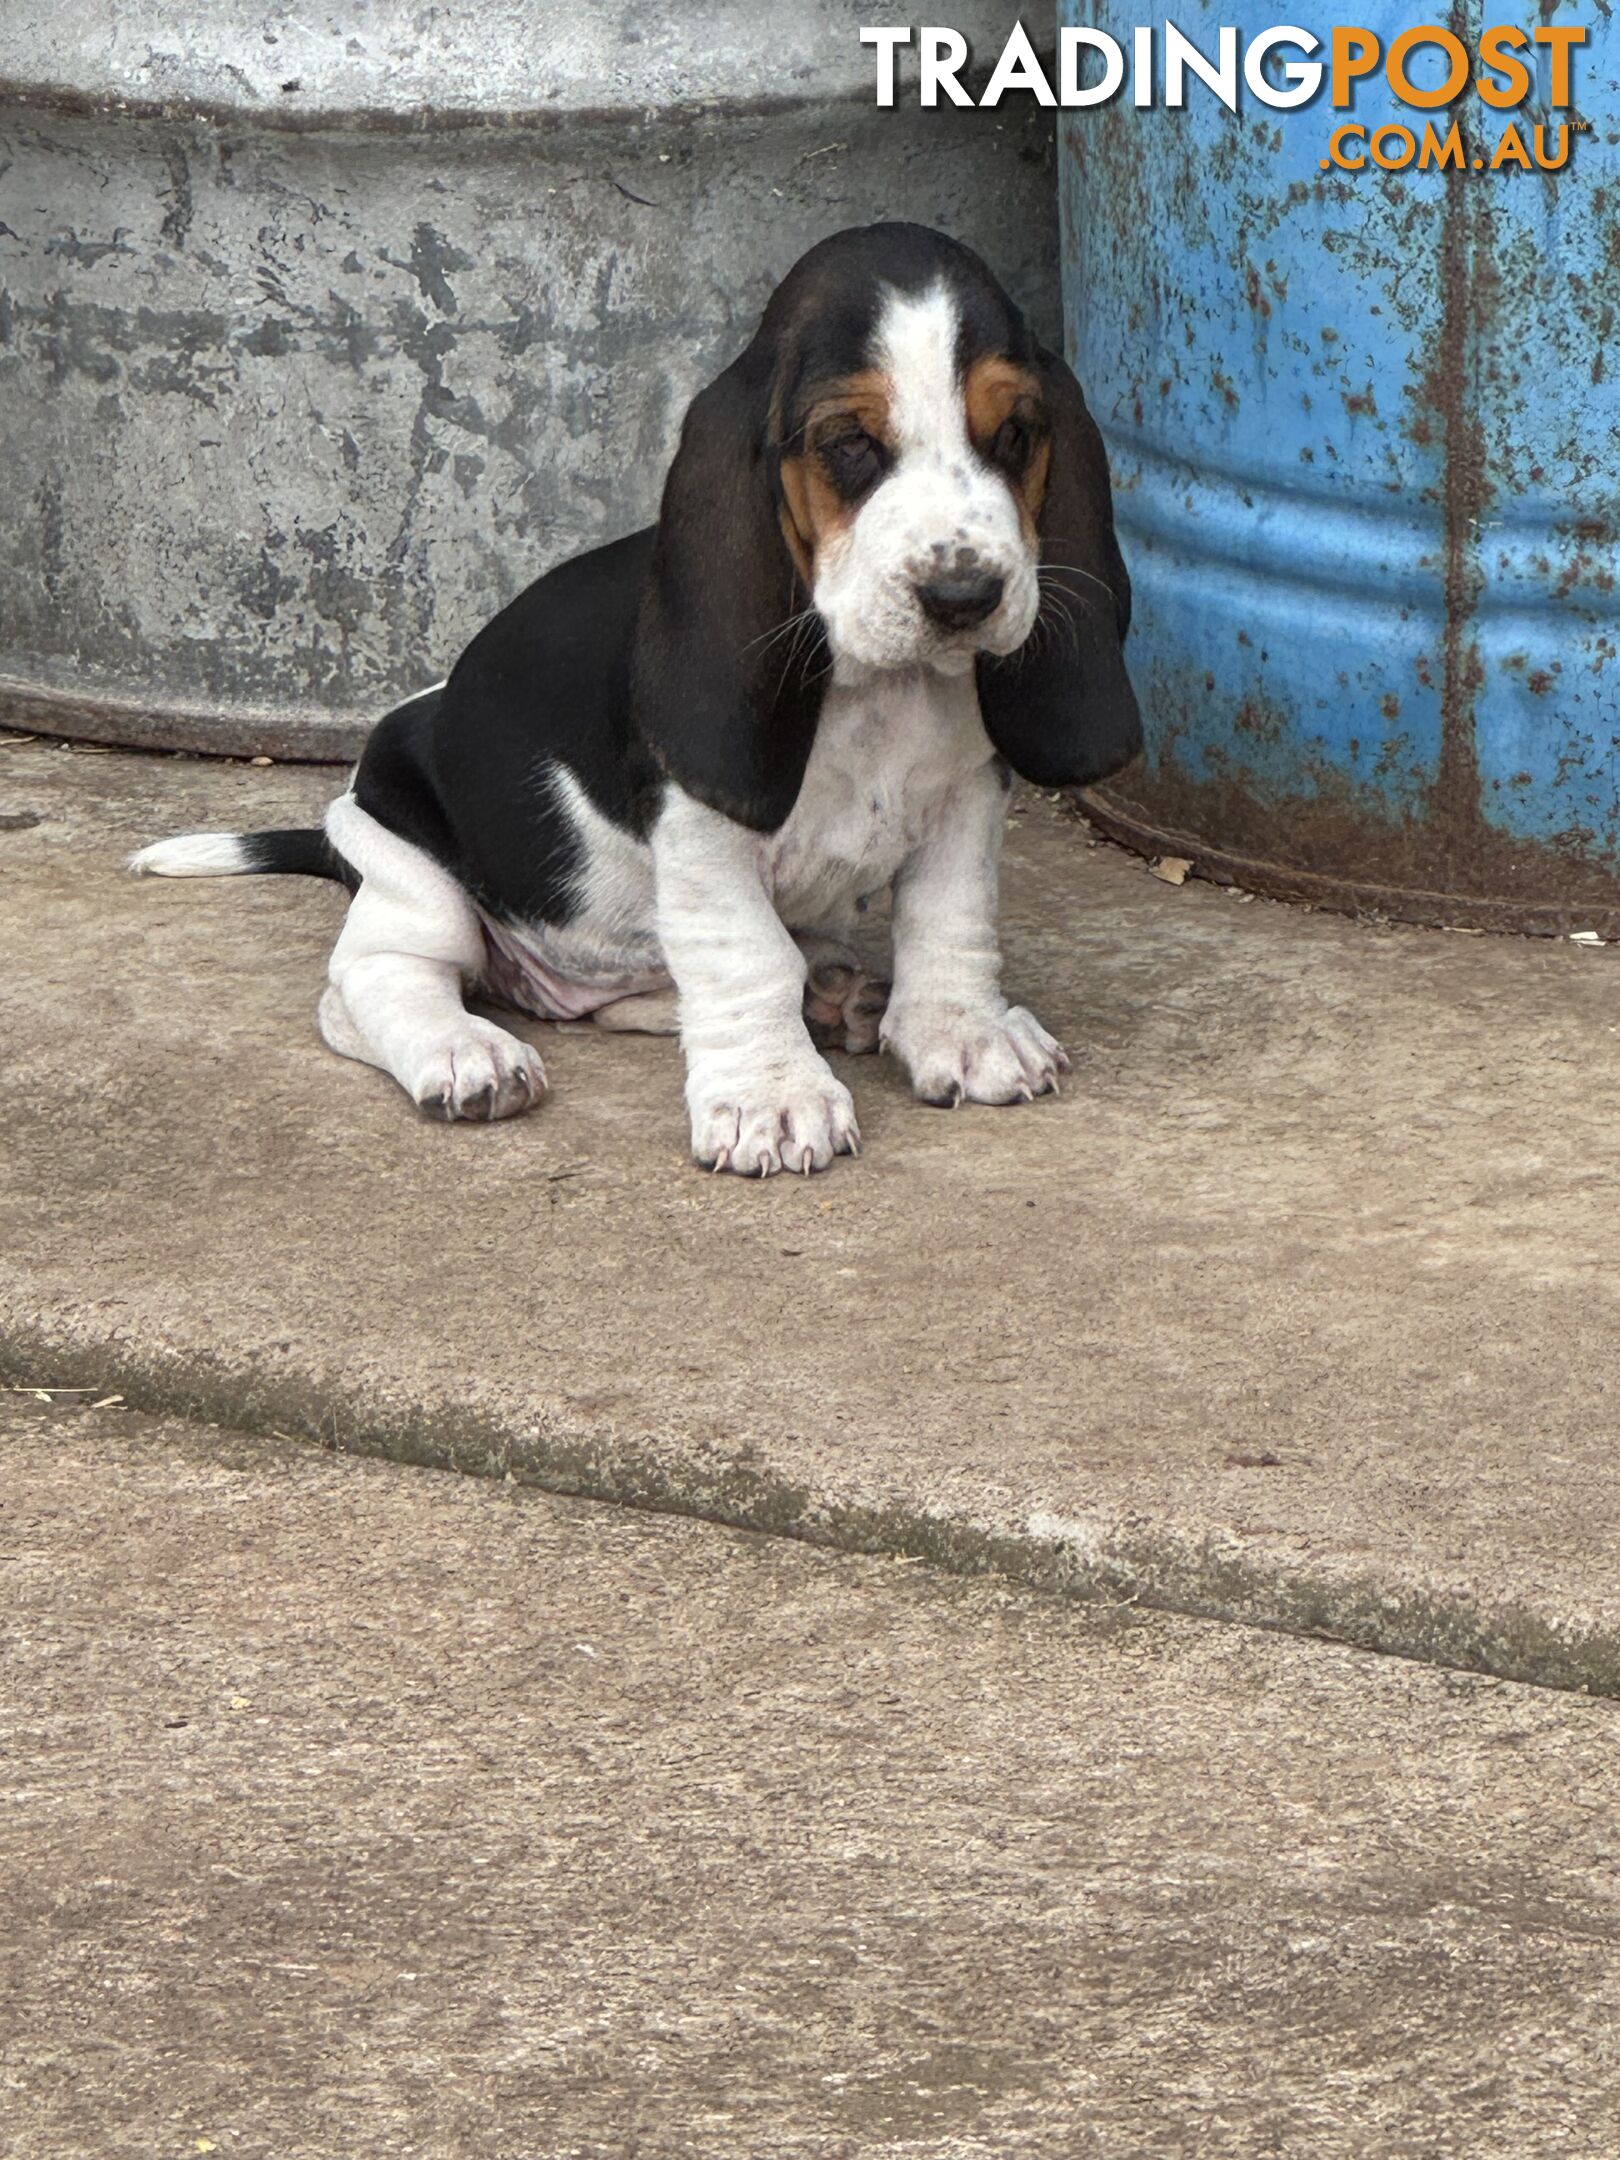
(479, 1072)
(985, 1054)
(796, 1119)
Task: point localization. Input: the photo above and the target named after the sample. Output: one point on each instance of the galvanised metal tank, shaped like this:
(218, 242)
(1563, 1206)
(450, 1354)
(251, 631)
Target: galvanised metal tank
(1365, 430)
(325, 329)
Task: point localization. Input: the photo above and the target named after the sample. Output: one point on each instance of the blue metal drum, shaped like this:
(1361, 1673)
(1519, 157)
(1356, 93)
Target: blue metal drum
(1365, 433)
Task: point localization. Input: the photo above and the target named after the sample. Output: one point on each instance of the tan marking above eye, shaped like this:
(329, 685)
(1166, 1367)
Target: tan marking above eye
(994, 392)
(864, 399)
(814, 511)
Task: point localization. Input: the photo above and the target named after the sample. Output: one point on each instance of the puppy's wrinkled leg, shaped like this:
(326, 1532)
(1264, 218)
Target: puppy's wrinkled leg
(410, 940)
(947, 1020)
(760, 1096)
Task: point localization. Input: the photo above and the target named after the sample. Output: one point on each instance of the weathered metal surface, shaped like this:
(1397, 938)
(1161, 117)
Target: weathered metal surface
(320, 337)
(1366, 438)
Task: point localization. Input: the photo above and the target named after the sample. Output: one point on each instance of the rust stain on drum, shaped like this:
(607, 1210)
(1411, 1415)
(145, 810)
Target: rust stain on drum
(1341, 858)
(1368, 751)
(1464, 253)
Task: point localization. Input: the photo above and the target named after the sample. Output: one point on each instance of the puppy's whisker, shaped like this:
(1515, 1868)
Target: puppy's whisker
(1043, 571)
(767, 638)
(1057, 596)
(804, 631)
(801, 649)
(1039, 636)
(1059, 627)
(1059, 612)
(777, 630)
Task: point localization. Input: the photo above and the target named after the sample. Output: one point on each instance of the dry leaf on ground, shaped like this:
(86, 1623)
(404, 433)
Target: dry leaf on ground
(1172, 868)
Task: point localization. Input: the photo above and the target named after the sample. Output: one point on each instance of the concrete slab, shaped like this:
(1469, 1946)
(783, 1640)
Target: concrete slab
(354, 1811)
(1299, 1307)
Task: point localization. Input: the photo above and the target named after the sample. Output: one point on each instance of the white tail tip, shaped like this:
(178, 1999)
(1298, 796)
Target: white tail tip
(198, 854)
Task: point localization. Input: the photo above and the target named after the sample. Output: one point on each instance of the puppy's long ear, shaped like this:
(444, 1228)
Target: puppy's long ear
(1061, 709)
(726, 687)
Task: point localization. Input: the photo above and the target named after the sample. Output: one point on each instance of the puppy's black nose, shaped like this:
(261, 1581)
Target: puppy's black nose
(957, 603)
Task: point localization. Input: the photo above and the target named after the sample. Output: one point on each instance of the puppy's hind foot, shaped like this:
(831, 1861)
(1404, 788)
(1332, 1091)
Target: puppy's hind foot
(481, 1073)
(473, 1070)
(338, 1030)
(844, 1006)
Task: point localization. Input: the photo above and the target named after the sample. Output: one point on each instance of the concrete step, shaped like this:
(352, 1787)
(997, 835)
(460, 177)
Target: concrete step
(352, 1810)
(1298, 1308)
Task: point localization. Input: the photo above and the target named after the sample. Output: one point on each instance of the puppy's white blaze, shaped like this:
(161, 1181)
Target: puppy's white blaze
(198, 854)
(915, 346)
(939, 503)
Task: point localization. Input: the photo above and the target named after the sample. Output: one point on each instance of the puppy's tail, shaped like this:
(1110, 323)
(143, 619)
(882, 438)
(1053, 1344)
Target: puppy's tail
(305, 852)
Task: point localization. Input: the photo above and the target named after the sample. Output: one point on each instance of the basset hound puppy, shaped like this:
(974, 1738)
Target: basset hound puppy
(665, 779)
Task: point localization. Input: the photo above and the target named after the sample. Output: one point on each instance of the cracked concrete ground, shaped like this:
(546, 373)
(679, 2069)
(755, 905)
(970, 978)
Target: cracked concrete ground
(352, 1810)
(1298, 1307)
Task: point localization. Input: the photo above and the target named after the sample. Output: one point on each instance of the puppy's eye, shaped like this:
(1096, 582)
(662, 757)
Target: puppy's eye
(854, 461)
(1011, 444)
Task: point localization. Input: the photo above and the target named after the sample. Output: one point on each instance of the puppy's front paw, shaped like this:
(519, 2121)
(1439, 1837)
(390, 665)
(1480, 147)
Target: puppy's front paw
(986, 1054)
(797, 1118)
(480, 1072)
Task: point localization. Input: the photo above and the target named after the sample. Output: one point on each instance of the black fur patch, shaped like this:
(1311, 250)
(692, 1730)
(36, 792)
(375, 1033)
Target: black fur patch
(466, 773)
(305, 852)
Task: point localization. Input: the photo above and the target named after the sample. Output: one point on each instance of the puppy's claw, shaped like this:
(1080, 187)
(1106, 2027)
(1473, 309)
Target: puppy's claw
(801, 1131)
(990, 1056)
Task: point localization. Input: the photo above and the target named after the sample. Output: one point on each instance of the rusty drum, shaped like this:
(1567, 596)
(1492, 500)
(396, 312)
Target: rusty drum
(1365, 430)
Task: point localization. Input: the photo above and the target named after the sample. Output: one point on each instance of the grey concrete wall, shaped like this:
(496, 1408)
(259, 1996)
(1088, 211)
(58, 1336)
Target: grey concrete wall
(299, 384)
